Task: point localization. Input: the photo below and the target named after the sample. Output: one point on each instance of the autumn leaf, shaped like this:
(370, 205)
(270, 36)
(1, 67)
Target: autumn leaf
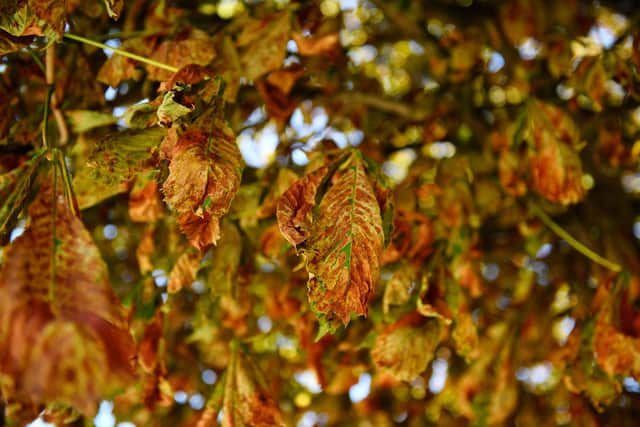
(114, 7)
(406, 347)
(63, 334)
(294, 210)
(184, 272)
(145, 203)
(556, 169)
(245, 398)
(15, 191)
(33, 18)
(615, 352)
(190, 47)
(204, 176)
(265, 41)
(326, 44)
(343, 239)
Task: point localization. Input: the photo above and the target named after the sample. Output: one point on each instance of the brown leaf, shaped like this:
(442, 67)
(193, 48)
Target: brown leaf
(406, 347)
(145, 204)
(184, 272)
(247, 399)
(343, 239)
(616, 352)
(327, 45)
(295, 205)
(191, 47)
(556, 168)
(63, 334)
(114, 8)
(267, 44)
(204, 176)
(52, 12)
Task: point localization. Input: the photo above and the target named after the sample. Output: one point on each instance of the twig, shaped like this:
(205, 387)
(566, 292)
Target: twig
(384, 104)
(55, 108)
(121, 52)
(399, 20)
(575, 244)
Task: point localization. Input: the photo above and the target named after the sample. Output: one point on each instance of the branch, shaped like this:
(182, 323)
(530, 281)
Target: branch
(121, 52)
(575, 244)
(384, 104)
(399, 20)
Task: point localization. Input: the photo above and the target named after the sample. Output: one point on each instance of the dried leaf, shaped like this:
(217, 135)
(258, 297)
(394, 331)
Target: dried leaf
(295, 207)
(114, 8)
(184, 272)
(191, 47)
(343, 240)
(247, 399)
(267, 44)
(616, 352)
(406, 347)
(204, 176)
(556, 168)
(15, 191)
(64, 335)
(327, 44)
(145, 204)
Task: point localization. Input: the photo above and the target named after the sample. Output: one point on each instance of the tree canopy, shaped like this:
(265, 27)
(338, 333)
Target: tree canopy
(320, 213)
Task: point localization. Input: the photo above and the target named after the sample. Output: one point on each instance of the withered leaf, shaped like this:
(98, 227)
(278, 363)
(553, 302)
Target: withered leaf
(15, 190)
(114, 7)
(267, 44)
(327, 44)
(63, 334)
(204, 176)
(615, 352)
(295, 207)
(184, 271)
(343, 239)
(556, 168)
(406, 347)
(191, 47)
(145, 203)
(248, 401)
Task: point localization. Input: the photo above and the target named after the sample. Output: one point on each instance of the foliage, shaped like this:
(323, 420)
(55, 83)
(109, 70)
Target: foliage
(340, 213)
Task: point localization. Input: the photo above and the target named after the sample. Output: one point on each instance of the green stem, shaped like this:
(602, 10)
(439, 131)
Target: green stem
(37, 60)
(121, 52)
(66, 182)
(575, 244)
(45, 118)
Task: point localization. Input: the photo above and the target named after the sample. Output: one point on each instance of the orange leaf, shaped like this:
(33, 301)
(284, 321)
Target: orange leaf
(204, 176)
(63, 334)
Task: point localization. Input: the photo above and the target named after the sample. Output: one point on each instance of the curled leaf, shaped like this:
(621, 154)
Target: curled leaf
(343, 238)
(204, 176)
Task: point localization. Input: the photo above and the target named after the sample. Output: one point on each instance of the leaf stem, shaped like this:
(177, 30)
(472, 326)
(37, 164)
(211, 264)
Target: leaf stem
(121, 52)
(63, 130)
(575, 244)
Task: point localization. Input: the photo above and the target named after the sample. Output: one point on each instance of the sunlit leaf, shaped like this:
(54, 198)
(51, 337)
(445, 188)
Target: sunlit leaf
(64, 334)
(204, 176)
(406, 347)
